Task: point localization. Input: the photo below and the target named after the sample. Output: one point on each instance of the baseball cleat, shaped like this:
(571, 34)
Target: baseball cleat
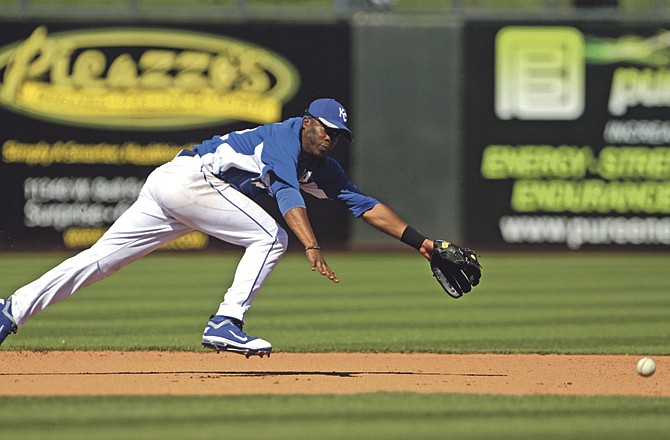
(225, 334)
(7, 324)
(247, 353)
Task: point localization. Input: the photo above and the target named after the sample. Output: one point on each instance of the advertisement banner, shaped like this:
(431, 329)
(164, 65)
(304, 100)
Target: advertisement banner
(567, 134)
(88, 111)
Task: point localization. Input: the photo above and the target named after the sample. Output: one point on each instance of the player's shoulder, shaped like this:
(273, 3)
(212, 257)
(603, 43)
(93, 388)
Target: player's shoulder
(278, 132)
(288, 127)
(284, 135)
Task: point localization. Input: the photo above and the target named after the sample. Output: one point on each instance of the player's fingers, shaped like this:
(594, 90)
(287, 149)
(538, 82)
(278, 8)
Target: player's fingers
(318, 264)
(331, 276)
(328, 272)
(325, 270)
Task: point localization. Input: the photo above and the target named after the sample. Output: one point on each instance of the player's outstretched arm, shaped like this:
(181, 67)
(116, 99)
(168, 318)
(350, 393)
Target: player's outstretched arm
(387, 221)
(297, 220)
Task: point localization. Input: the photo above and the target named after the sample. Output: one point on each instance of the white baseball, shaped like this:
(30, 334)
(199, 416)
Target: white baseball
(646, 367)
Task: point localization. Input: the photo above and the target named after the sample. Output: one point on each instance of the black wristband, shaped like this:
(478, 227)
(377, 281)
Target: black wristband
(413, 237)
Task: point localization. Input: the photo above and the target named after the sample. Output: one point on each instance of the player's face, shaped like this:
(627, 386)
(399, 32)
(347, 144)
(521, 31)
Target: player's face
(317, 139)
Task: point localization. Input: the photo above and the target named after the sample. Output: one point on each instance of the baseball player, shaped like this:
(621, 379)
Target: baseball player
(213, 188)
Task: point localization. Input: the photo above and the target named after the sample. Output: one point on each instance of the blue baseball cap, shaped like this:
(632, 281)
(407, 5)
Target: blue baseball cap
(331, 114)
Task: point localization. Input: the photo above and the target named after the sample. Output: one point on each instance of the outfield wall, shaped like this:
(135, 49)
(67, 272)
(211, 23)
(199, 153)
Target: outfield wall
(88, 110)
(554, 134)
(407, 89)
(485, 132)
(567, 134)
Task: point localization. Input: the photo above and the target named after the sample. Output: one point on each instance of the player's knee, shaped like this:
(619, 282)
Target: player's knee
(106, 261)
(276, 244)
(108, 266)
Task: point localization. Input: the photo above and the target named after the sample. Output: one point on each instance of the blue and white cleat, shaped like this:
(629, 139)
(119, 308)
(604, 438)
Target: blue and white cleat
(7, 324)
(225, 334)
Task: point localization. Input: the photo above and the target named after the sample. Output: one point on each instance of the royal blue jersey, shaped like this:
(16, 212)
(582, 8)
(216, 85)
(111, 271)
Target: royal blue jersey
(266, 161)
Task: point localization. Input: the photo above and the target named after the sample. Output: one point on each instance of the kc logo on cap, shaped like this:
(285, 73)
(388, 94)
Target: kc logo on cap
(343, 114)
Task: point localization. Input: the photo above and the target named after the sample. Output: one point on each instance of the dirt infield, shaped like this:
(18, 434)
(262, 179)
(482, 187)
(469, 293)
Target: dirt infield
(60, 373)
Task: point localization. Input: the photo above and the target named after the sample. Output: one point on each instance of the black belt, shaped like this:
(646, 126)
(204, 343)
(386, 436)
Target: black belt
(187, 153)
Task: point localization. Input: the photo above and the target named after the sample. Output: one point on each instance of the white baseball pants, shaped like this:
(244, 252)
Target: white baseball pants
(177, 198)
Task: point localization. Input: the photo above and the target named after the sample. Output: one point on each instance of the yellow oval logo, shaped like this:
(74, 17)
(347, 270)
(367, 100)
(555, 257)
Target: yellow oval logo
(143, 79)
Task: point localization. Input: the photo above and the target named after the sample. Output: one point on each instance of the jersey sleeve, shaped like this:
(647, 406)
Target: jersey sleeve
(330, 181)
(287, 196)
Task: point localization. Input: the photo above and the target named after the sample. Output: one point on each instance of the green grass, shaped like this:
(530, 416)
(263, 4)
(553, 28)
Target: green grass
(564, 303)
(536, 303)
(374, 416)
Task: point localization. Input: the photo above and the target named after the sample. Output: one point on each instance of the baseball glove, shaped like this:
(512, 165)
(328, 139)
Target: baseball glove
(457, 269)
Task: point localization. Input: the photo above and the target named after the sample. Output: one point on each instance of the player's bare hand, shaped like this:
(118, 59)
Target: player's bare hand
(318, 263)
